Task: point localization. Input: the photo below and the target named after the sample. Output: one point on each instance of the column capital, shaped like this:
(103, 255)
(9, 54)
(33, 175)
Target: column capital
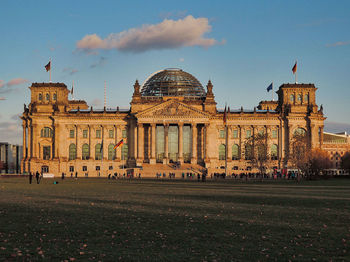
(180, 124)
(139, 125)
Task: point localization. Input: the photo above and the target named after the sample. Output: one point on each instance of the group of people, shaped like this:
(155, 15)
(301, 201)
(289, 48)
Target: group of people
(37, 175)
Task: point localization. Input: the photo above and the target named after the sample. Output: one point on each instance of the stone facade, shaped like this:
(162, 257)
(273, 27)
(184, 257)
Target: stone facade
(62, 135)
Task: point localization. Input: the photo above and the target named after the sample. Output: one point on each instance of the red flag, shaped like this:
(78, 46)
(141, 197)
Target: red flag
(120, 143)
(48, 66)
(225, 117)
(294, 69)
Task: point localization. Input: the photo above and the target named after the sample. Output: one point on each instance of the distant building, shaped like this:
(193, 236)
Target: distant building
(336, 145)
(10, 158)
(172, 119)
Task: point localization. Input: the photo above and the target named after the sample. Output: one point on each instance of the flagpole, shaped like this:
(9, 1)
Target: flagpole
(50, 70)
(226, 138)
(73, 89)
(272, 91)
(105, 95)
(102, 153)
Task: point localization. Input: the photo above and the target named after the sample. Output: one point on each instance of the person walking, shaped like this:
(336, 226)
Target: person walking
(37, 176)
(30, 177)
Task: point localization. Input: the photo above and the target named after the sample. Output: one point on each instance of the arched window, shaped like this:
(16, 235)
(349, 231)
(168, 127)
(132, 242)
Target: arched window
(274, 152)
(125, 150)
(248, 152)
(292, 98)
(98, 152)
(54, 97)
(48, 97)
(85, 152)
(46, 132)
(40, 97)
(235, 152)
(72, 152)
(300, 131)
(222, 152)
(300, 98)
(306, 98)
(111, 152)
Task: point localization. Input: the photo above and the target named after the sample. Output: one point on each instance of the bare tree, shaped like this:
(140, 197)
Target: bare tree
(257, 151)
(309, 161)
(299, 153)
(345, 161)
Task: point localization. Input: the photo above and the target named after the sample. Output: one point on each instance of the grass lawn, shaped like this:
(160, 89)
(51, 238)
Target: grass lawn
(147, 220)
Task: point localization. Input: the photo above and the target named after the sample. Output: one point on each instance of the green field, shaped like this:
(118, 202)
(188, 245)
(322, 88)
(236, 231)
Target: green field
(147, 220)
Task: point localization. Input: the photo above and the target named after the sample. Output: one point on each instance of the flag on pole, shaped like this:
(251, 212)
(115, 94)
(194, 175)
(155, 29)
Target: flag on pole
(225, 116)
(294, 69)
(48, 66)
(101, 149)
(270, 87)
(120, 143)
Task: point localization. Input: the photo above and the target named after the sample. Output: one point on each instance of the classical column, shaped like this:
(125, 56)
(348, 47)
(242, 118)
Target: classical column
(105, 145)
(24, 148)
(153, 144)
(29, 130)
(206, 142)
(321, 136)
(229, 143)
(181, 159)
(194, 143)
(135, 140)
(166, 144)
(77, 141)
(141, 138)
(89, 134)
(149, 142)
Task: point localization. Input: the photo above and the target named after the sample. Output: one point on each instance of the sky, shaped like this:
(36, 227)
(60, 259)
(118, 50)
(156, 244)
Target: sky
(241, 46)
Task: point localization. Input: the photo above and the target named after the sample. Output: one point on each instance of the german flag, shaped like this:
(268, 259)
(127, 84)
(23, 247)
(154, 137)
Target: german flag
(294, 69)
(120, 143)
(48, 66)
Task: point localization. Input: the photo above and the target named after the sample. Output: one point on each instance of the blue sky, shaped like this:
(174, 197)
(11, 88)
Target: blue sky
(242, 46)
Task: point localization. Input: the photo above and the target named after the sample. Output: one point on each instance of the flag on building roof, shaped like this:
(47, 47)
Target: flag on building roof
(48, 66)
(120, 143)
(270, 87)
(294, 69)
(225, 116)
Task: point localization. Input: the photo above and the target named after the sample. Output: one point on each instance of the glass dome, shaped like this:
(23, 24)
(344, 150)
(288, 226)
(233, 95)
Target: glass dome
(172, 82)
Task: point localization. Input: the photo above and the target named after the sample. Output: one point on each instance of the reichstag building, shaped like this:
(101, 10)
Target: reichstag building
(172, 119)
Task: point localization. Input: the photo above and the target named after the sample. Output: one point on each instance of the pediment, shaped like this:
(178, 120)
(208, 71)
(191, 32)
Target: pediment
(172, 109)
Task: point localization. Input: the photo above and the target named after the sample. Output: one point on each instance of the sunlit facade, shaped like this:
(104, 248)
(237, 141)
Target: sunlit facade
(172, 119)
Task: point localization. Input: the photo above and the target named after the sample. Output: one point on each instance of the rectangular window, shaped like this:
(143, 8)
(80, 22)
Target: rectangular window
(124, 133)
(274, 133)
(235, 133)
(248, 133)
(98, 133)
(97, 168)
(222, 133)
(46, 152)
(84, 168)
(111, 133)
(71, 133)
(110, 168)
(85, 133)
(71, 169)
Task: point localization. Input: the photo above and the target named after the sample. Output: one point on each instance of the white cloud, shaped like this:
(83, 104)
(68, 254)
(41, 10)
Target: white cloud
(2, 98)
(16, 81)
(2, 83)
(340, 43)
(165, 35)
(182, 59)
